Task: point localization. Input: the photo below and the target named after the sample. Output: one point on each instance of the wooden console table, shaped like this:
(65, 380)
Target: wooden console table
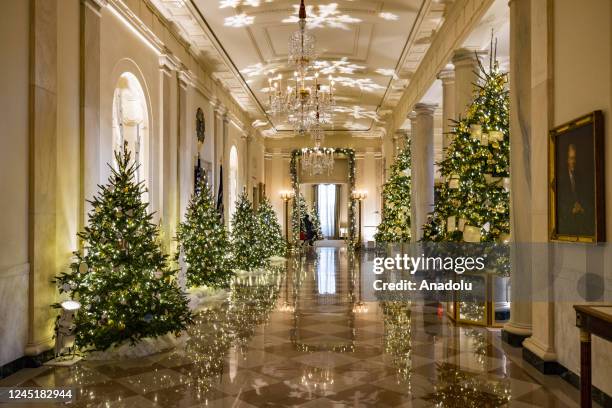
(596, 320)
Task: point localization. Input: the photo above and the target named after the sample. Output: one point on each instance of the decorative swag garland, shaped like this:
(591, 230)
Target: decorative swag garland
(295, 183)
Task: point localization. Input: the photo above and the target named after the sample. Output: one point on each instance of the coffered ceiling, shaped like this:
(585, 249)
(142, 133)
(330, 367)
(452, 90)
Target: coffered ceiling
(369, 47)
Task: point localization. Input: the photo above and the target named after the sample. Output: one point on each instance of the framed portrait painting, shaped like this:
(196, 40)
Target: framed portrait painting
(576, 180)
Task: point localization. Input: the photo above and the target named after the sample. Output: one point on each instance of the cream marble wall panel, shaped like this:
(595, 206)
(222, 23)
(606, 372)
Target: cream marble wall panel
(582, 70)
(14, 43)
(43, 173)
(13, 300)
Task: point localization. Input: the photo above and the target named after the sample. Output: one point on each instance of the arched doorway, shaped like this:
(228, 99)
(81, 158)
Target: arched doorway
(131, 123)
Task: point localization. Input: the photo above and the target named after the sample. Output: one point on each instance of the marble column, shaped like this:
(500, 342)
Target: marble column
(168, 171)
(246, 163)
(519, 326)
(422, 143)
(447, 76)
(466, 69)
(218, 111)
(43, 174)
(399, 140)
(540, 348)
(225, 124)
(90, 103)
(186, 154)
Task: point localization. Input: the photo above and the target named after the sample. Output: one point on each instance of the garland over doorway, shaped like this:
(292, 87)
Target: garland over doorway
(295, 184)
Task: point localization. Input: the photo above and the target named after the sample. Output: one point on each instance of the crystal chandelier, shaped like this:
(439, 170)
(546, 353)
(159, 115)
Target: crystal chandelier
(318, 160)
(303, 99)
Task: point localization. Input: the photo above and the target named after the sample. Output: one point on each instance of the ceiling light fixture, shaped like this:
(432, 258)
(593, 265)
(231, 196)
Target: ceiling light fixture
(303, 99)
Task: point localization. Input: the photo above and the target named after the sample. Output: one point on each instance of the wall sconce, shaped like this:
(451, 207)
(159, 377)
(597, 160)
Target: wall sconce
(287, 195)
(360, 307)
(65, 327)
(359, 194)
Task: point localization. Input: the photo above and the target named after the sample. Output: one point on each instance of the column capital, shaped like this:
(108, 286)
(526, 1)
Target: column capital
(425, 108)
(167, 62)
(466, 56)
(401, 134)
(219, 109)
(412, 115)
(447, 75)
(186, 78)
(95, 5)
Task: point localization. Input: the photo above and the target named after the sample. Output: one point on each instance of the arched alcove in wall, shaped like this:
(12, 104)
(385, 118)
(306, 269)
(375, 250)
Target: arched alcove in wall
(233, 180)
(131, 123)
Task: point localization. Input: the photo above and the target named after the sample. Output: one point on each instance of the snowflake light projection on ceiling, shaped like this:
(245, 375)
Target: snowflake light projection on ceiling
(387, 72)
(259, 123)
(358, 112)
(342, 66)
(364, 84)
(326, 15)
(259, 69)
(240, 20)
(389, 16)
(349, 124)
(238, 3)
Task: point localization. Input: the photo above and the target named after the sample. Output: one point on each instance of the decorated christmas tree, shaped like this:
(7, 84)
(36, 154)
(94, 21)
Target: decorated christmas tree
(121, 278)
(395, 224)
(204, 241)
(299, 204)
(473, 203)
(270, 230)
(297, 221)
(248, 250)
(316, 223)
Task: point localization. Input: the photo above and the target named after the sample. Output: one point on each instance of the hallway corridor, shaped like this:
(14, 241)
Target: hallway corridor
(303, 338)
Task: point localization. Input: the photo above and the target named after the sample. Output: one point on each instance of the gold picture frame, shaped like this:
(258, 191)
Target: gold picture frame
(576, 180)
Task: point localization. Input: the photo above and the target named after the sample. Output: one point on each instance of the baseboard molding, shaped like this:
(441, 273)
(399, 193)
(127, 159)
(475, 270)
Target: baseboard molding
(25, 362)
(554, 368)
(543, 366)
(513, 339)
(597, 395)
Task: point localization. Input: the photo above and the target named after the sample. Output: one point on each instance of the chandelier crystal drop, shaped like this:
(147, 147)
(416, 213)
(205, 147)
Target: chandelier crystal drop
(302, 100)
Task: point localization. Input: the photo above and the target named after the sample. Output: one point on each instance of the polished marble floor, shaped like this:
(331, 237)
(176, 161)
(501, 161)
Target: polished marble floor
(301, 336)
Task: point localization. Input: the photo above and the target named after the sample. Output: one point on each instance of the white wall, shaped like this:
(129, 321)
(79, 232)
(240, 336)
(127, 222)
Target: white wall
(14, 47)
(582, 83)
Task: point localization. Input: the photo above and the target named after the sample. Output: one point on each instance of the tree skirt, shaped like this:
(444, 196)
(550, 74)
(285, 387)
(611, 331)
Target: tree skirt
(203, 296)
(143, 348)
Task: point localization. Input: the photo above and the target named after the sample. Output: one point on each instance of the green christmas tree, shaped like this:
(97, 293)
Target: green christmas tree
(395, 224)
(299, 210)
(121, 278)
(248, 250)
(204, 240)
(473, 204)
(316, 223)
(297, 224)
(270, 230)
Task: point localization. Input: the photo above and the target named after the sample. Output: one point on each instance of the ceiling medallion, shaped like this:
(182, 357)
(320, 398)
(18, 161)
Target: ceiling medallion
(303, 100)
